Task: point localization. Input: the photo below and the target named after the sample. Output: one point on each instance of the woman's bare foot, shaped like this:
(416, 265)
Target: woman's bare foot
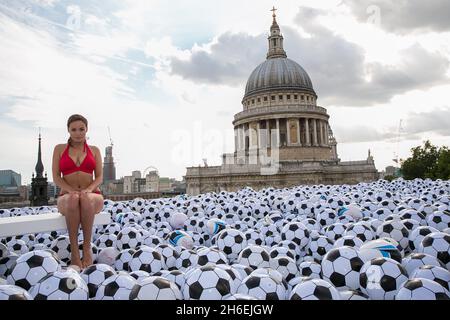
(87, 256)
(75, 260)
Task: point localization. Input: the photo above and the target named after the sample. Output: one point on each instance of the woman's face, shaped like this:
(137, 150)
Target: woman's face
(77, 131)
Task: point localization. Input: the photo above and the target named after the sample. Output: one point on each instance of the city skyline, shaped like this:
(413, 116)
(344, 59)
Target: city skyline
(168, 84)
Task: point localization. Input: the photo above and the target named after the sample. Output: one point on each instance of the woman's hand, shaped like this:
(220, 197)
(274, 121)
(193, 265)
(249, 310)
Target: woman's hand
(87, 190)
(72, 191)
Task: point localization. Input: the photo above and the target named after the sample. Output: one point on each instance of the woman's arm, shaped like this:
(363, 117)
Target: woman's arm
(57, 173)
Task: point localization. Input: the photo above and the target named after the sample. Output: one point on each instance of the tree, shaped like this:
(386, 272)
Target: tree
(427, 162)
(443, 166)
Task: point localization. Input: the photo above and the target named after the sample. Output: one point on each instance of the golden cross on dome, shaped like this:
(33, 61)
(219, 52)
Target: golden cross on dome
(273, 10)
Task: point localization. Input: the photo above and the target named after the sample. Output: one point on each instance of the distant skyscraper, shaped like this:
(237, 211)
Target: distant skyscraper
(109, 169)
(39, 185)
(9, 178)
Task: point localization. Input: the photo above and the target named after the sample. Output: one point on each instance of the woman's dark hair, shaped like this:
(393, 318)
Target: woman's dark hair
(73, 118)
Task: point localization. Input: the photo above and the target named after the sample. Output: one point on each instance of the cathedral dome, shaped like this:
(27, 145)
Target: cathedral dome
(278, 73)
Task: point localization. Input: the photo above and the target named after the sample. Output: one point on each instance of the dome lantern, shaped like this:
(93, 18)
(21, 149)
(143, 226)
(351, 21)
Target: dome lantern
(275, 40)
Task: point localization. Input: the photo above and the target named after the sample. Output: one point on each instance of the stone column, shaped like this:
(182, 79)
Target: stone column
(236, 138)
(267, 134)
(327, 133)
(278, 132)
(314, 132)
(242, 137)
(258, 134)
(246, 134)
(308, 136)
(288, 129)
(298, 132)
(320, 131)
(250, 136)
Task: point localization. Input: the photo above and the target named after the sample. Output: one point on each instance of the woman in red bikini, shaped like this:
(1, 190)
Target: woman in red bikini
(80, 199)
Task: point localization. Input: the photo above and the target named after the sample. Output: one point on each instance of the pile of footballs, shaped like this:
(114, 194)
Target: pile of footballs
(370, 241)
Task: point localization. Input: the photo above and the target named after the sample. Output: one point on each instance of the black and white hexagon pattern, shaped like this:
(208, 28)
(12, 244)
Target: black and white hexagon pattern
(139, 275)
(422, 289)
(17, 246)
(396, 230)
(314, 289)
(282, 251)
(207, 283)
(178, 277)
(341, 267)
(310, 269)
(296, 232)
(186, 259)
(254, 256)
(263, 287)
(6, 263)
(361, 230)
(117, 287)
(94, 275)
(433, 273)
(319, 246)
(12, 292)
(416, 260)
(61, 285)
(156, 288)
(147, 259)
(348, 240)
(381, 278)
(123, 259)
(31, 267)
(243, 270)
(169, 254)
(437, 244)
(106, 240)
(231, 242)
(61, 246)
(286, 266)
(439, 219)
(127, 238)
(416, 236)
(211, 255)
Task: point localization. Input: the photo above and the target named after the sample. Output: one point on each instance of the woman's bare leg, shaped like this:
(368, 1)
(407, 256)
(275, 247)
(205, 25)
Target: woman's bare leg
(90, 206)
(69, 206)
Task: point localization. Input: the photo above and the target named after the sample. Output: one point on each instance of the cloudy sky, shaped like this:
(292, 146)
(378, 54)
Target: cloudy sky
(168, 78)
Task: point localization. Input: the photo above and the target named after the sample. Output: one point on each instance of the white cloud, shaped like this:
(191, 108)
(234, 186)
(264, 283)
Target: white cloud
(45, 78)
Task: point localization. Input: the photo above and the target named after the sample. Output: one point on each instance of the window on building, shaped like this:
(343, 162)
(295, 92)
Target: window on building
(273, 98)
(259, 100)
(288, 97)
(295, 96)
(307, 98)
(303, 97)
(265, 98)
(253, 101)
(280, 97)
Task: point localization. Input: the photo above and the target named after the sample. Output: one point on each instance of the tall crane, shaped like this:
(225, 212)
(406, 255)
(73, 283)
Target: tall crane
(110, 140)
(396, 153)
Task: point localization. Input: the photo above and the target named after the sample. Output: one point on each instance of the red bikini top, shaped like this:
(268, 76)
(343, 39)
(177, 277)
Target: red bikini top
(68, 166)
